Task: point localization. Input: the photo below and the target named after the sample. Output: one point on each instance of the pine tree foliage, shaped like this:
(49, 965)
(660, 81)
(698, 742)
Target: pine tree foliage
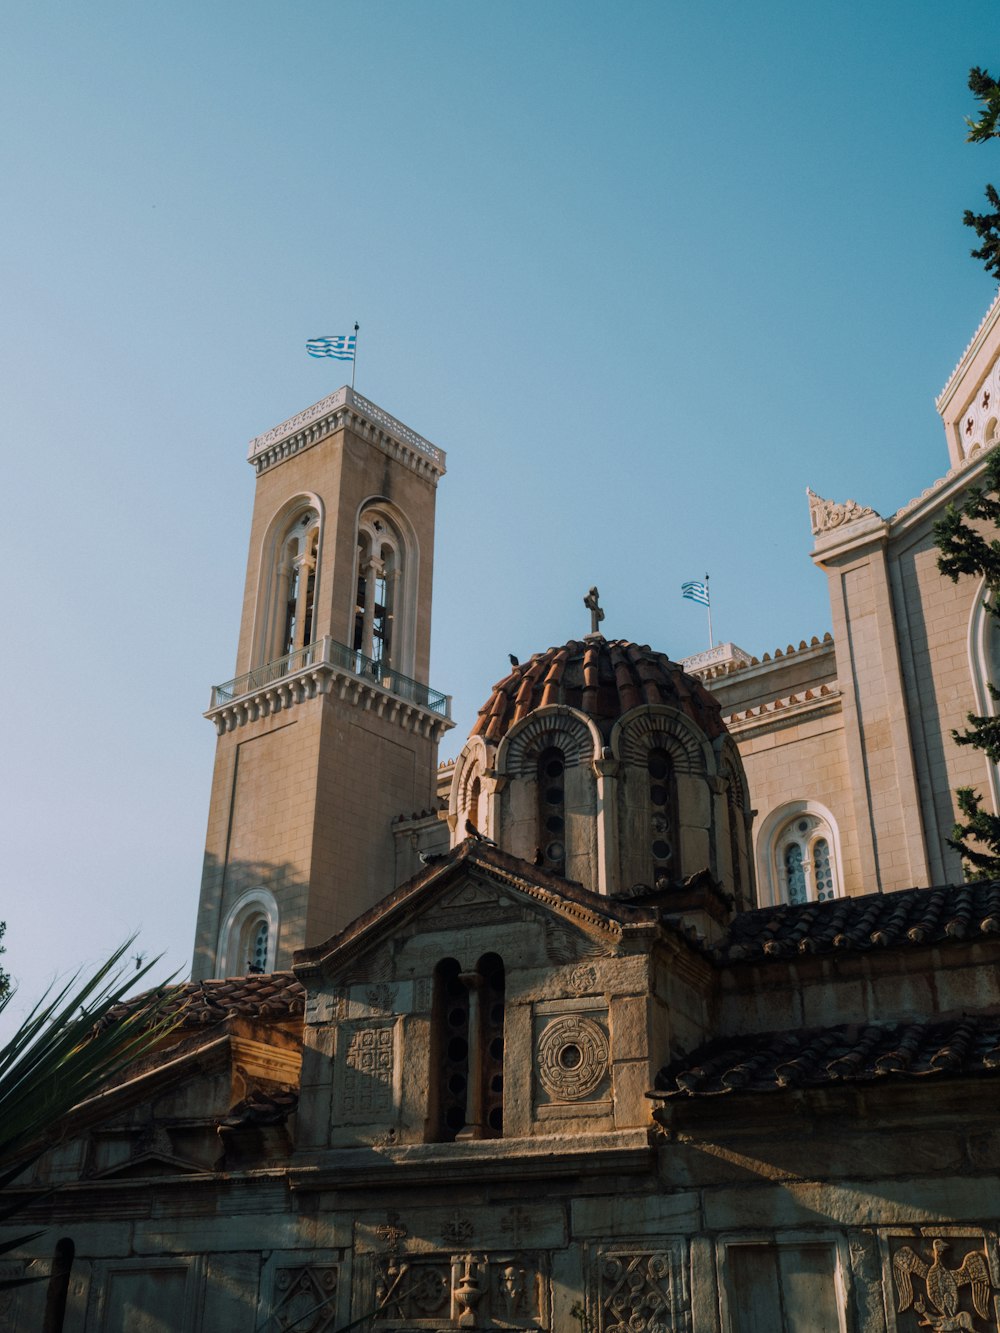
(968, 549)
(986, 225)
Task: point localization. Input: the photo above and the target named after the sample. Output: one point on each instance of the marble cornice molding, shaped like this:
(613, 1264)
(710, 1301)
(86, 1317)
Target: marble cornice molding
(782, 713)
(327, 678)
(351, 410)
(939, 492)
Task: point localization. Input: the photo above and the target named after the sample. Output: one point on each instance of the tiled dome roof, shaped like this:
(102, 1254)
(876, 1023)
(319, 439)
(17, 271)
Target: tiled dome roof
(603, 678)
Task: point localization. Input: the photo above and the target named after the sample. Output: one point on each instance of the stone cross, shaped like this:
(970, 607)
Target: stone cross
(596, 612)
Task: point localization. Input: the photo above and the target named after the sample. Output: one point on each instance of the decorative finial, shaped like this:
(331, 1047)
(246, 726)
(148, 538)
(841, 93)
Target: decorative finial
(596, 613)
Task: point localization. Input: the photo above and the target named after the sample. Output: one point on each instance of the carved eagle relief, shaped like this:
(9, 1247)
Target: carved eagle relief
(942, 1286)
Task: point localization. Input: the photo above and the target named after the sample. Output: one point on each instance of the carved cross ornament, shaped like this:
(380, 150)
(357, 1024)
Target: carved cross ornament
(592, 604)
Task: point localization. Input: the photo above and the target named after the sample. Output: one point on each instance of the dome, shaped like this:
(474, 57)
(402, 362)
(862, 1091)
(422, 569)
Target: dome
(602, 678)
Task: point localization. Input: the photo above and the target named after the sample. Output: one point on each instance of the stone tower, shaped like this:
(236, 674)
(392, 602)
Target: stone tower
(329, 730)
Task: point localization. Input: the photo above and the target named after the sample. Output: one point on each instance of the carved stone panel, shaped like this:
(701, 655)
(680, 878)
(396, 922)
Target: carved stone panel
(572, 1057)
(365, 1090)
(943, 1279)
(457, 1290)
(640, 1290)
(305, 1297)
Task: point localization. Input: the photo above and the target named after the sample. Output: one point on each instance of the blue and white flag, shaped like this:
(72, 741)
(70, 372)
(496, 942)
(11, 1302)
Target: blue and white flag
(695, 592)
(340, 346)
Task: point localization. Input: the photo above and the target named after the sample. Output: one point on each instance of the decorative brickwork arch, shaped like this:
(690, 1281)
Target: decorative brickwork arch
(645, 728)
(466, 799)
(554, 726)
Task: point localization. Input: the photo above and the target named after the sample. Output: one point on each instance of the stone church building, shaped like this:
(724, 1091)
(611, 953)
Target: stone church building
(643, 1016)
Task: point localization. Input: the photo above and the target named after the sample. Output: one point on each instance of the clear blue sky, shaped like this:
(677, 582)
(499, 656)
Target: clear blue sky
(645, 271)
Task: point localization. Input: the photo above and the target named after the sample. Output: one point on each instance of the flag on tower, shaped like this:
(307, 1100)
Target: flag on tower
(695, 592)
(340, 346)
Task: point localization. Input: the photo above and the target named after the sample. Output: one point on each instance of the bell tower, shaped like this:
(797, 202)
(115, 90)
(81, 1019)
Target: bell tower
(328, 730)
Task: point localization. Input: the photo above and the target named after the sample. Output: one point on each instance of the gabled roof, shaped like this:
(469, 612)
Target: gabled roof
(902, 919)
(846, 1053)
(563, 897)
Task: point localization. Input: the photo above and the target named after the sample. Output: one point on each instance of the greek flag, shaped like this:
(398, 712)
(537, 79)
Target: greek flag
(695, 592)
(340, 346)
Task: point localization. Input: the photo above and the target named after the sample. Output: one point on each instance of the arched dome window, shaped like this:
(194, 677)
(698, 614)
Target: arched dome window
(552, 809)
(662, 813)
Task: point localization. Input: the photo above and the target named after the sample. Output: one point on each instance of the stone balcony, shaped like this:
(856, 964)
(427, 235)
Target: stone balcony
(322, 668)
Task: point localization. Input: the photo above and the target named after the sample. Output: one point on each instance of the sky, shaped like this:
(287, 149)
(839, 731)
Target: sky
(645, 271)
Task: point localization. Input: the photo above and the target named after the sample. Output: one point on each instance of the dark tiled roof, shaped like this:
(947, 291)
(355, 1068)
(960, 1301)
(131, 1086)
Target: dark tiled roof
(850, 1053)
(600, 677)
(875, 921)
(268, 995)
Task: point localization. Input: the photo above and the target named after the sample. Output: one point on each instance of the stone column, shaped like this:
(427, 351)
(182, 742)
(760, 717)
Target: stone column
(606, 770)
(474, 1128)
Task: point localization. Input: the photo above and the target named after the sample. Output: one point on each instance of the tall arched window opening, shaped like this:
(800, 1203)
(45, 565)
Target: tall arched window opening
(491, 1006)
(450, 1053)
(379, 588)
(289, 613)
(475, 795)
(466, 1096)
(663, 819)
(552, 809)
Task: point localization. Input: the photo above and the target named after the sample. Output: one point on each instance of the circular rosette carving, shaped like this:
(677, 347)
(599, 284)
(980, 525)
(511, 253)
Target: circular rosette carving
(572, 1057)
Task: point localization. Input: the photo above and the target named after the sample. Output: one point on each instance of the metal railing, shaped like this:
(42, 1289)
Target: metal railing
(327, 652)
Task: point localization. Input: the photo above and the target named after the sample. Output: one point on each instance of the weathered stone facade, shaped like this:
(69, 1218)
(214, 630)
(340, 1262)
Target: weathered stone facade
(535, 1059)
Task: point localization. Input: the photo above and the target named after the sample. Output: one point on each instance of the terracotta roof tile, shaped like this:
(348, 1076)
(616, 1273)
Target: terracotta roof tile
(771, 1061)
(875, 921)
(268, 995)
(603, 679)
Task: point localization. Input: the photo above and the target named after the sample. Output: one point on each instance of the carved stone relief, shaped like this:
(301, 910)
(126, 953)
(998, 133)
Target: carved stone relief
(305, 1298)
(572, 1057)
(366, 1084)
(464, 1290)
(824, 515)
(943, 1283)
(642, 1291)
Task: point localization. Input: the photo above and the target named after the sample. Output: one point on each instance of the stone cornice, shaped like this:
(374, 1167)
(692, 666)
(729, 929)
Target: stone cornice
(347, 408)
(626, 1151)
(968, 356)
(326, 678)
(785, 712)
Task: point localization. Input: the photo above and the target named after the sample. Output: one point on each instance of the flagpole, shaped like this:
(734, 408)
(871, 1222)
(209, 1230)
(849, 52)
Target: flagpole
(708, 604)
(354, 363)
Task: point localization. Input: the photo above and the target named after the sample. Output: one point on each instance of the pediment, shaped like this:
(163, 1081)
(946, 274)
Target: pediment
(152, 1163)
(474, 891)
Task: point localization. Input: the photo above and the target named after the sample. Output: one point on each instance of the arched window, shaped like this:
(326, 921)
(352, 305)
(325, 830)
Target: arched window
(466, 1095)
(662, 814)
(288, 588)
(450, 1053)
(379, 590)
(551, 772)
(248, 939)
(803, 865)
